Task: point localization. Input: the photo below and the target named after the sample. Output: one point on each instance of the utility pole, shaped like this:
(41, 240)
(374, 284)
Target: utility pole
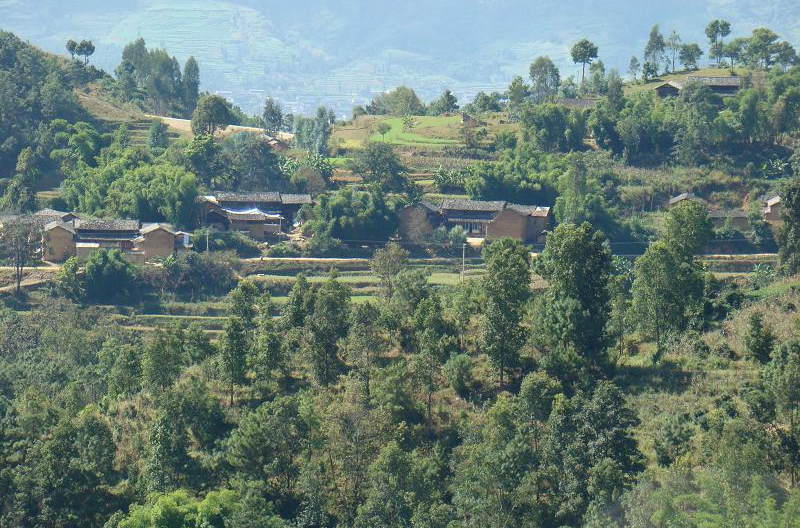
(207, 240)
(463, 259)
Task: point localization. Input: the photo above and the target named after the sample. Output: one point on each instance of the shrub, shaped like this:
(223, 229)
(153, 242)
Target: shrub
(243, 245)
(759, 339)
(672, 438)
(108, 275)
(458, 371)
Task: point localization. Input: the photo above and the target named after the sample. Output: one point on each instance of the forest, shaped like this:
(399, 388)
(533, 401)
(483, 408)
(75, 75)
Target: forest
(638, 368)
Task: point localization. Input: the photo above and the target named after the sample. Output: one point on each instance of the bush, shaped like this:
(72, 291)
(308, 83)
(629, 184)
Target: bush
(285, 249)
(458, 371)
(243, 245)
(672, 438)
(759, 339)
(194, 274)
(108, 275)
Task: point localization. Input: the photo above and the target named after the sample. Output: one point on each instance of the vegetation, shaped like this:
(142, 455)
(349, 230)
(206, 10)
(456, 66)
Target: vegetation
(612, 378)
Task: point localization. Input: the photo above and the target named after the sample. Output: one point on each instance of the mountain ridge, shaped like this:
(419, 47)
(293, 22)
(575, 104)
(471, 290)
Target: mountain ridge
(309, 52)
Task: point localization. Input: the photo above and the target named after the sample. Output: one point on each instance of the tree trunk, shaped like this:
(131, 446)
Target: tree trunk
(18, 269)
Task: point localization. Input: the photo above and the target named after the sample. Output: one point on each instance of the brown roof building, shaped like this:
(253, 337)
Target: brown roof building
(258, 213)
(773, 211)
(478, 218)
(139, 242)
(723, 86)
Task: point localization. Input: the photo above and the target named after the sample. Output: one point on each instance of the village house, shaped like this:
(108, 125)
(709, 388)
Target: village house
(478, 218)
(258, 214)
(773, 210)
(723, 86)
(735, 218)
(139, 242)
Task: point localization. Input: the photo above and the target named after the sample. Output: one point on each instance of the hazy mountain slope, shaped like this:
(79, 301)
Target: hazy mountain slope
(315, 49)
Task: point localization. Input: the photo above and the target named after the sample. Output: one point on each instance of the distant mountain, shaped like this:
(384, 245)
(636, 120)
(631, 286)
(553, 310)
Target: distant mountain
(341, 51)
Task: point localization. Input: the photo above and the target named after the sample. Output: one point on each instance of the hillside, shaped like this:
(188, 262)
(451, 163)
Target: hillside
(311, 52)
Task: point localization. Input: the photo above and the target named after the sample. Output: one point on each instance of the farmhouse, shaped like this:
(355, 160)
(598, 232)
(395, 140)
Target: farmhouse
(735, 218)
(773, 210)
(719, 85)
(258, 214)
(478, 218)
(139, 242)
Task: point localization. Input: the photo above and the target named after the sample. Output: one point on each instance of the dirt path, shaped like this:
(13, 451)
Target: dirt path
(184, 126)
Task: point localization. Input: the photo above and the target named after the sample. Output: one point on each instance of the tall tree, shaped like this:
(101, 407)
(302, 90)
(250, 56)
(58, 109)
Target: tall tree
(583, 52)
(272, 116)
(667, 292)
(212, 113)
(364, 343)
(72, 48)
(387, 263)
(446, 104)
(687, 229)
(379, 163)
(85, 49)
(191, 84)
(162, 359)
(545, 79)
(674, 46)
(577, 264)
(233, 353)
(328, 324)
(157, 136)
(507, 288)
(20, 243)
(634, 66)
(716, 31)
(655, 48)
(689, 55)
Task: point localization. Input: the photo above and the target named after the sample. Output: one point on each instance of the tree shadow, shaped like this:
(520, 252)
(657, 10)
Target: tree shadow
(666, 376)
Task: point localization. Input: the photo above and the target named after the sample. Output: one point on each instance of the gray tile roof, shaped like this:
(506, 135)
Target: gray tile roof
(58, 223)
(715, 81)
(296, 199)
(733, 213)
(472, 205)
(106, 225)
(578, 103)
(150, 227)
(530, 210)
(251, 197)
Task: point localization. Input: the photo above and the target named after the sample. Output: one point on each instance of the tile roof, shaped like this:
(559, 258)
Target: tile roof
(149, 228)
(106, 225)
(685, 196)
(530, 210)
(257, 197)
(578, 103)
(252, 214)
(473, 205)
(251, 197)
(429, 206)
(733, 213)
(715, 81)
(50, 212)
(58, 223)
(296, 199)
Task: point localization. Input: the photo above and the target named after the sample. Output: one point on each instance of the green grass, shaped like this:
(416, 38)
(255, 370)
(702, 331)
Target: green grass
(776, 289)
